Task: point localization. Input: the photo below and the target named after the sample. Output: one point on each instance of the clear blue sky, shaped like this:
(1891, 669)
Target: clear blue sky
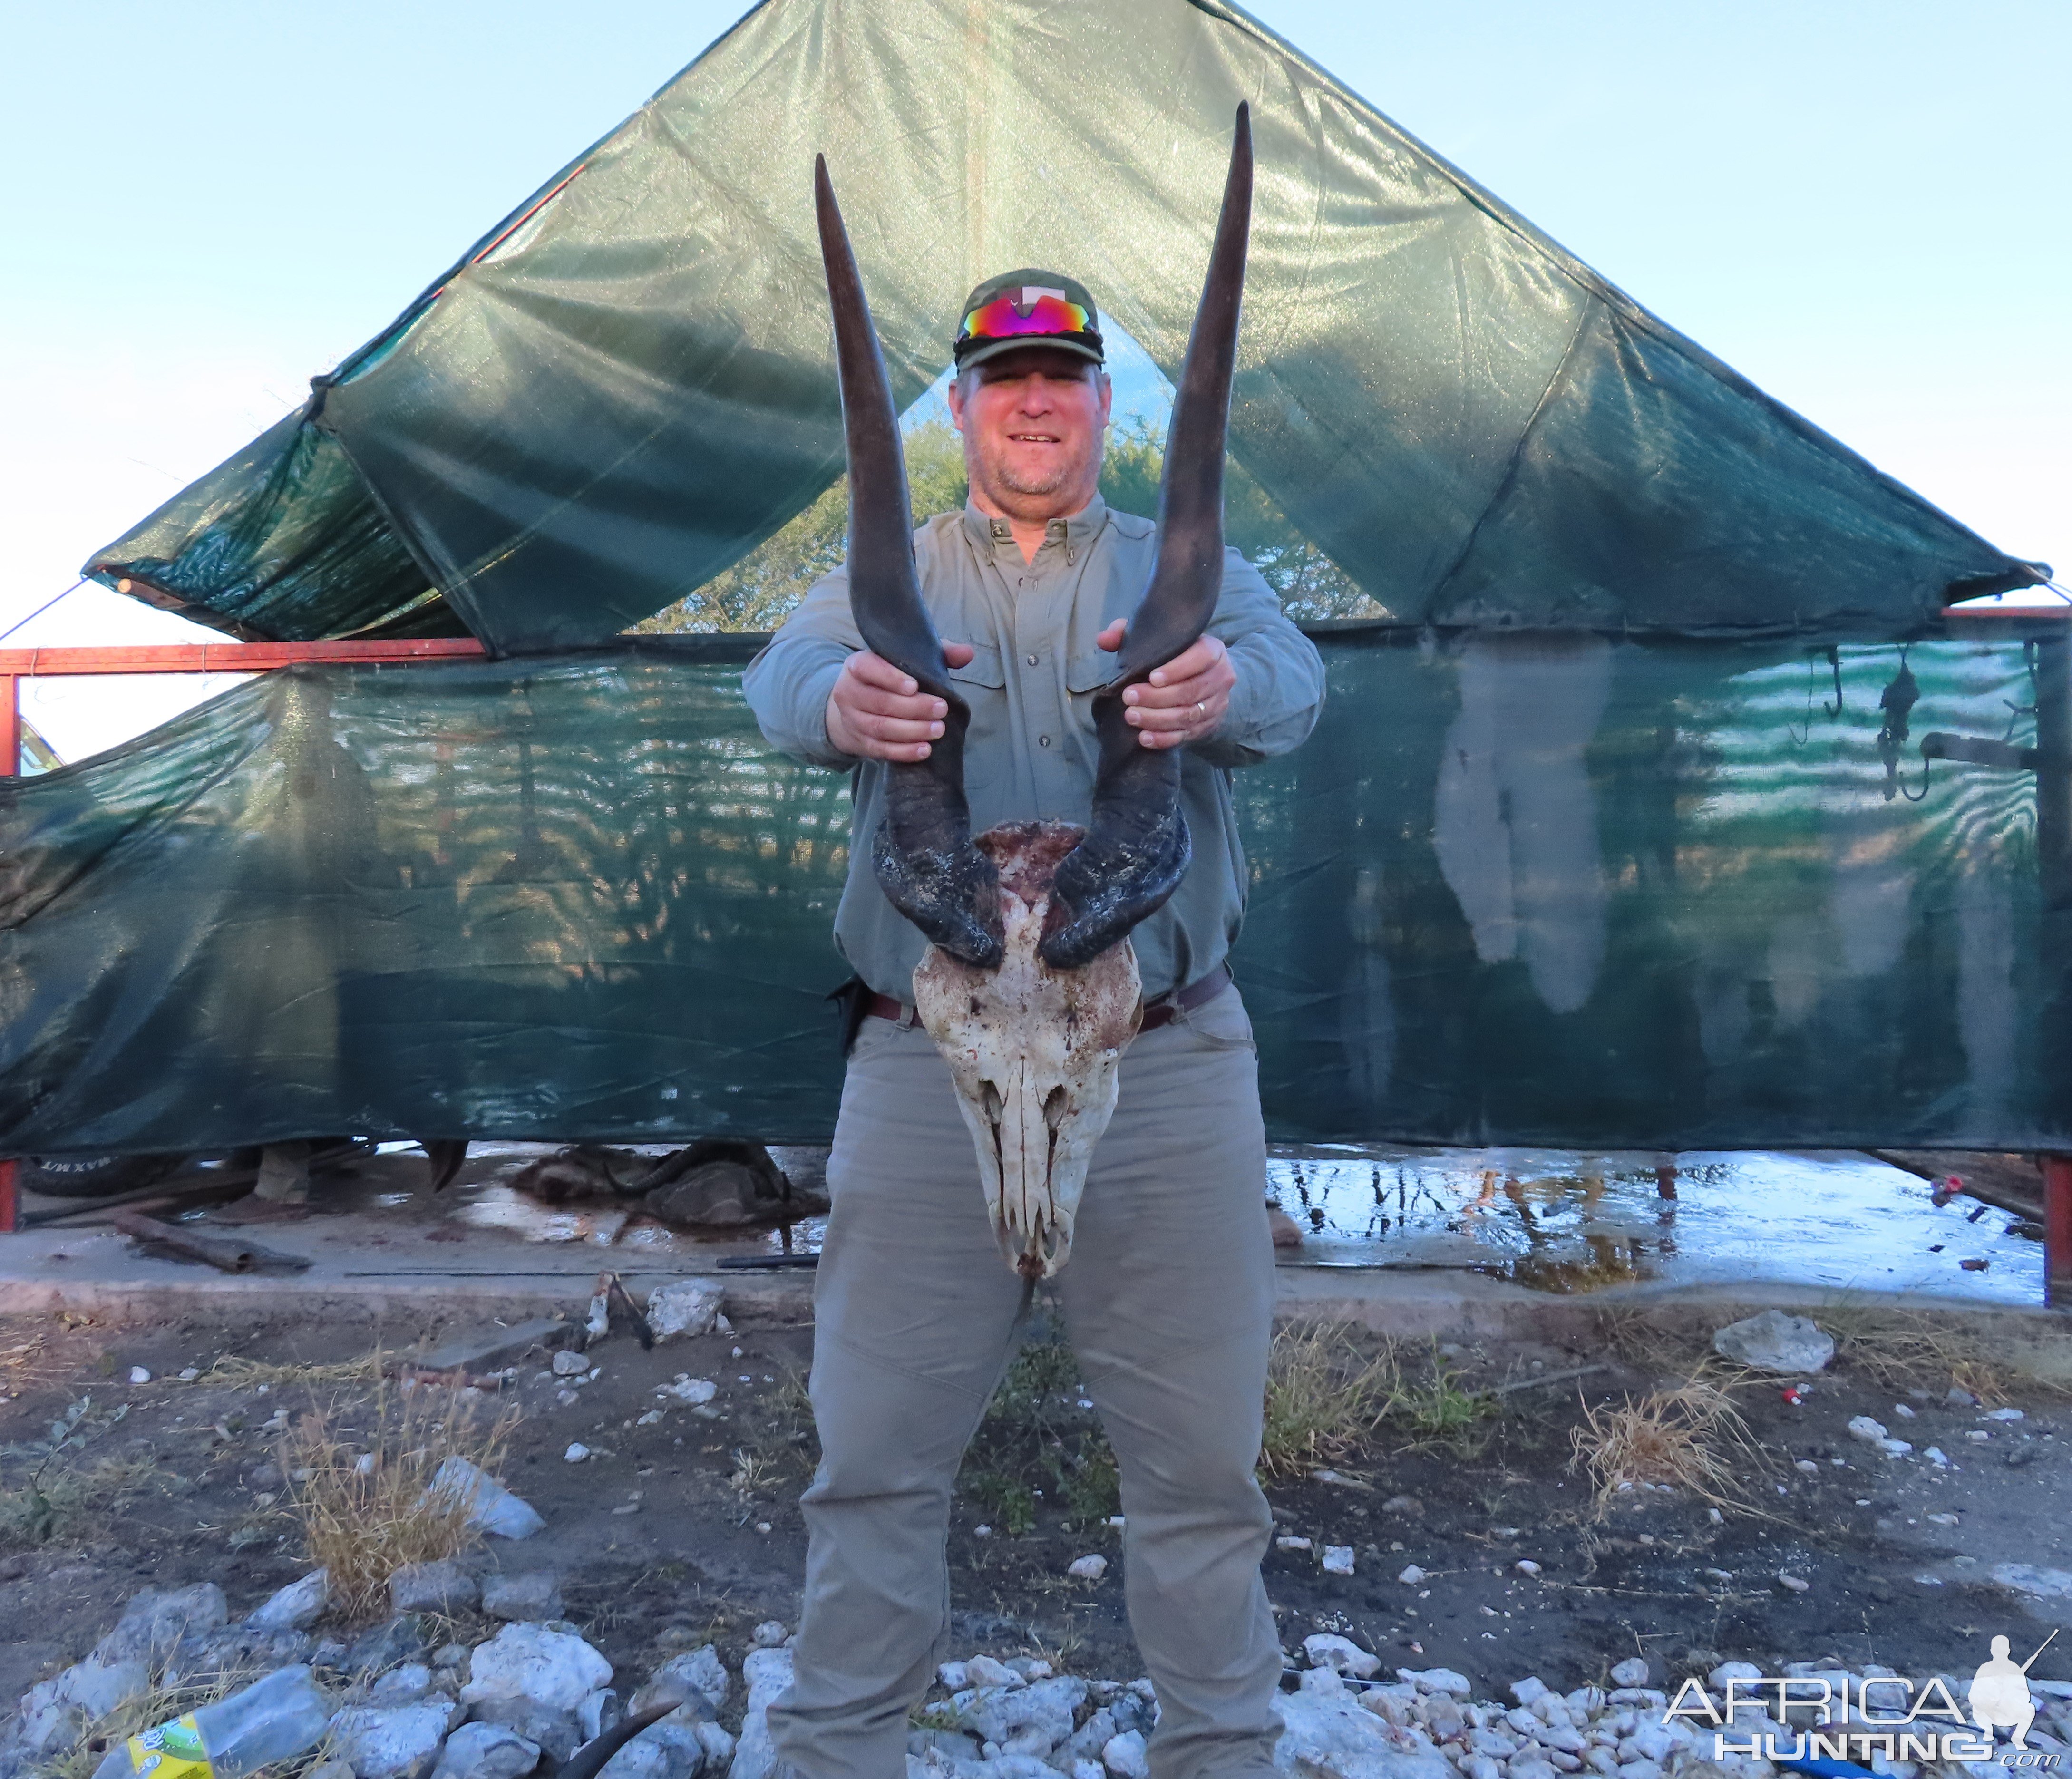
(1862, 207)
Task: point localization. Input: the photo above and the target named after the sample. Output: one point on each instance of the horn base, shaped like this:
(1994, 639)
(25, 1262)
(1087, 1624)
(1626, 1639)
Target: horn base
(1136, 851)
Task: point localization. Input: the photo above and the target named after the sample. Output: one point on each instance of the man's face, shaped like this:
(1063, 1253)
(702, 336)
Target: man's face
(1032, 422)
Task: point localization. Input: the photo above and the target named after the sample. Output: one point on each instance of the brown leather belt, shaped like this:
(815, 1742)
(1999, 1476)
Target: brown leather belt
(1160, 1012)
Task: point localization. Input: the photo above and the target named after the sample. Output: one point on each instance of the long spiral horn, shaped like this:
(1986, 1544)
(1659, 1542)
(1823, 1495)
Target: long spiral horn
(1136, 849)
(923, 856)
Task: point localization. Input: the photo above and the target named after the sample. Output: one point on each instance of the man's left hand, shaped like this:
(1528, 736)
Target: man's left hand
(1185, 699)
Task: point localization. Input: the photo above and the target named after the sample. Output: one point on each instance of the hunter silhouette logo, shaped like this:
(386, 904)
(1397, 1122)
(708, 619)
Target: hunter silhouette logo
(2000, 1692)
(1854, 1719)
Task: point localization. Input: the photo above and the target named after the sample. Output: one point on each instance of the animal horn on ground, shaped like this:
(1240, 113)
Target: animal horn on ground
(923, 855)
(1136, 848)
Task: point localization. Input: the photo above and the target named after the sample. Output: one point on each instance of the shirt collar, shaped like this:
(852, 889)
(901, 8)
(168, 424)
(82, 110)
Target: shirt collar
(1076, 533)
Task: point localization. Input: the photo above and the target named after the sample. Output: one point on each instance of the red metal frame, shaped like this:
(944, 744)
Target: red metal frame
(2057, 1231)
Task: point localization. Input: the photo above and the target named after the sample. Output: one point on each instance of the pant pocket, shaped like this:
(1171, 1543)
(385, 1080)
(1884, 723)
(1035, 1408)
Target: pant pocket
(1221, 1024)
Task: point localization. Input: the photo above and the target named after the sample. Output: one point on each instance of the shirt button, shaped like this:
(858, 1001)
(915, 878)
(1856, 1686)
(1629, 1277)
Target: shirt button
(1032, 660)
(1043, 740)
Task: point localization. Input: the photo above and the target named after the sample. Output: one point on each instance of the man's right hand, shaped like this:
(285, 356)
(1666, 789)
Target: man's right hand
(876, 711)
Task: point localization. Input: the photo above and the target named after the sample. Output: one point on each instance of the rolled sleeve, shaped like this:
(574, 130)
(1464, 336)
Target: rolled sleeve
(1280, 688)
(788, 684)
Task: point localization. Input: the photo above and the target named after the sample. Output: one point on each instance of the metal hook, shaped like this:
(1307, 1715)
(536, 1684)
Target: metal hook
(1834, 662)
(1926, 761)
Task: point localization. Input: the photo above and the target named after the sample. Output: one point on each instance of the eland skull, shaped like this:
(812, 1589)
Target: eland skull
(1030, 986)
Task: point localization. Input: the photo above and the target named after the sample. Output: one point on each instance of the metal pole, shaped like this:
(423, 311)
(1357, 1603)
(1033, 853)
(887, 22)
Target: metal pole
(10, 764)
(2057, 1231)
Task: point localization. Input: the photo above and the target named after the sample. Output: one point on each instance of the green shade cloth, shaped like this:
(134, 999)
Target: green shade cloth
(628, 384)
(1522, 888)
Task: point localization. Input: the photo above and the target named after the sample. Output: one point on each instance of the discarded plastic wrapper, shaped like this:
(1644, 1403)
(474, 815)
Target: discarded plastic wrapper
(274, 1720)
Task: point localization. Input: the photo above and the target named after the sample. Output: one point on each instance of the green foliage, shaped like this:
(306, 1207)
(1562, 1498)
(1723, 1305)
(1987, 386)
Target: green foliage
(35, 1512)
(760, 589)
(1035, 1436)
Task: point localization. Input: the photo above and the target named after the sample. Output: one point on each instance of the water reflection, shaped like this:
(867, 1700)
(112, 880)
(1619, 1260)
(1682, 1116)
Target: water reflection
(1567, 1222)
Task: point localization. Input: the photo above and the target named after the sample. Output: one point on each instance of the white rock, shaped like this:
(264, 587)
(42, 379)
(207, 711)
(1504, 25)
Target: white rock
(296, 1607)
(2040, 1583)
(767, 1673)
(556, 1669)
(1870, 1432)
(1328, 1736)
(442, 1586)
(768, 1635)
(1632, 1672)
(697, 1392)
(400, 1743)
(1791, 1584)
(138, 1375)
(1032, 1719)
(1528, 1689)
(667, 1750)
(1341, 1655)
(403, 1685)
(1087, 1769)
(576, 1453)
(1718, 1679)
(688, 1307)
(1411, 1576)
(1087, 1569)
(983, 1671)
(570, 1364)
(156, 1619)
(952, 1674)
(1444, 1680)
(1895, 1448)
(2003, 1414)
(1337, 1559)
(485, 1751)
(1124, 1756)
(1293, 1542)
(529, 1598)
(491, 1508)
(700, 1669)
(1903, 1410)
(718, 1745)
(97, 1687)
(1525, 1566)
(1774, 1341)
(1326, 1681)
(1936, 1456)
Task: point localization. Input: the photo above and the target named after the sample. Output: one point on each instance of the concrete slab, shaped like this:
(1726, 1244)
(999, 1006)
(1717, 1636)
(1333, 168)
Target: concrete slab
(1454, 1244)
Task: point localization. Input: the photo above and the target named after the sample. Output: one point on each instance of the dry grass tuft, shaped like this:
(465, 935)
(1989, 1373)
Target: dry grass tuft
(364, 1501)
(1927, 1352)
(1323, 1398)
(1689, 1436)
(241, 1374)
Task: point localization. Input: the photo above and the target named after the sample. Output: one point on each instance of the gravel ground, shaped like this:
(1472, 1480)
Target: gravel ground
(1479, 1551)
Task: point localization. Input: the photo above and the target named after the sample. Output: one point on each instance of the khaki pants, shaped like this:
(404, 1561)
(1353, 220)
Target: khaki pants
(1168, 1299)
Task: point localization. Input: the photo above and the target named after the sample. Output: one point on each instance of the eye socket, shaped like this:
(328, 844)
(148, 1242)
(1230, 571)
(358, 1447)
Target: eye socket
(993, 1103)
(1055, 1104)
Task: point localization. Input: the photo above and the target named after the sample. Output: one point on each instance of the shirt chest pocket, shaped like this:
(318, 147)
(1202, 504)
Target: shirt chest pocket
(986, 671)
(1087, 674)
(982, 684)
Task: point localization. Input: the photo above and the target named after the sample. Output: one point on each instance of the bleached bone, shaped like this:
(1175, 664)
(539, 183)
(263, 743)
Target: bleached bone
(1035, 1053)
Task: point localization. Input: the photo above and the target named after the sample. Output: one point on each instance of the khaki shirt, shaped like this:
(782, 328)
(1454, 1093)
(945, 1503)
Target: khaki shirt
(1031, 752)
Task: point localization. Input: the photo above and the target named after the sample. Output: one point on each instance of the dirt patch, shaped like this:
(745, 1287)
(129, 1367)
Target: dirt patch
(680, 1520)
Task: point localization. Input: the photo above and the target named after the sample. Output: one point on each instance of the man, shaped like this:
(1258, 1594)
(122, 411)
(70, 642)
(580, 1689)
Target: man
(1168, 1297)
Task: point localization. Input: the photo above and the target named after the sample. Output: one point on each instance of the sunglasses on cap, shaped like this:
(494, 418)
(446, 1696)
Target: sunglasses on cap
(1013, 314)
